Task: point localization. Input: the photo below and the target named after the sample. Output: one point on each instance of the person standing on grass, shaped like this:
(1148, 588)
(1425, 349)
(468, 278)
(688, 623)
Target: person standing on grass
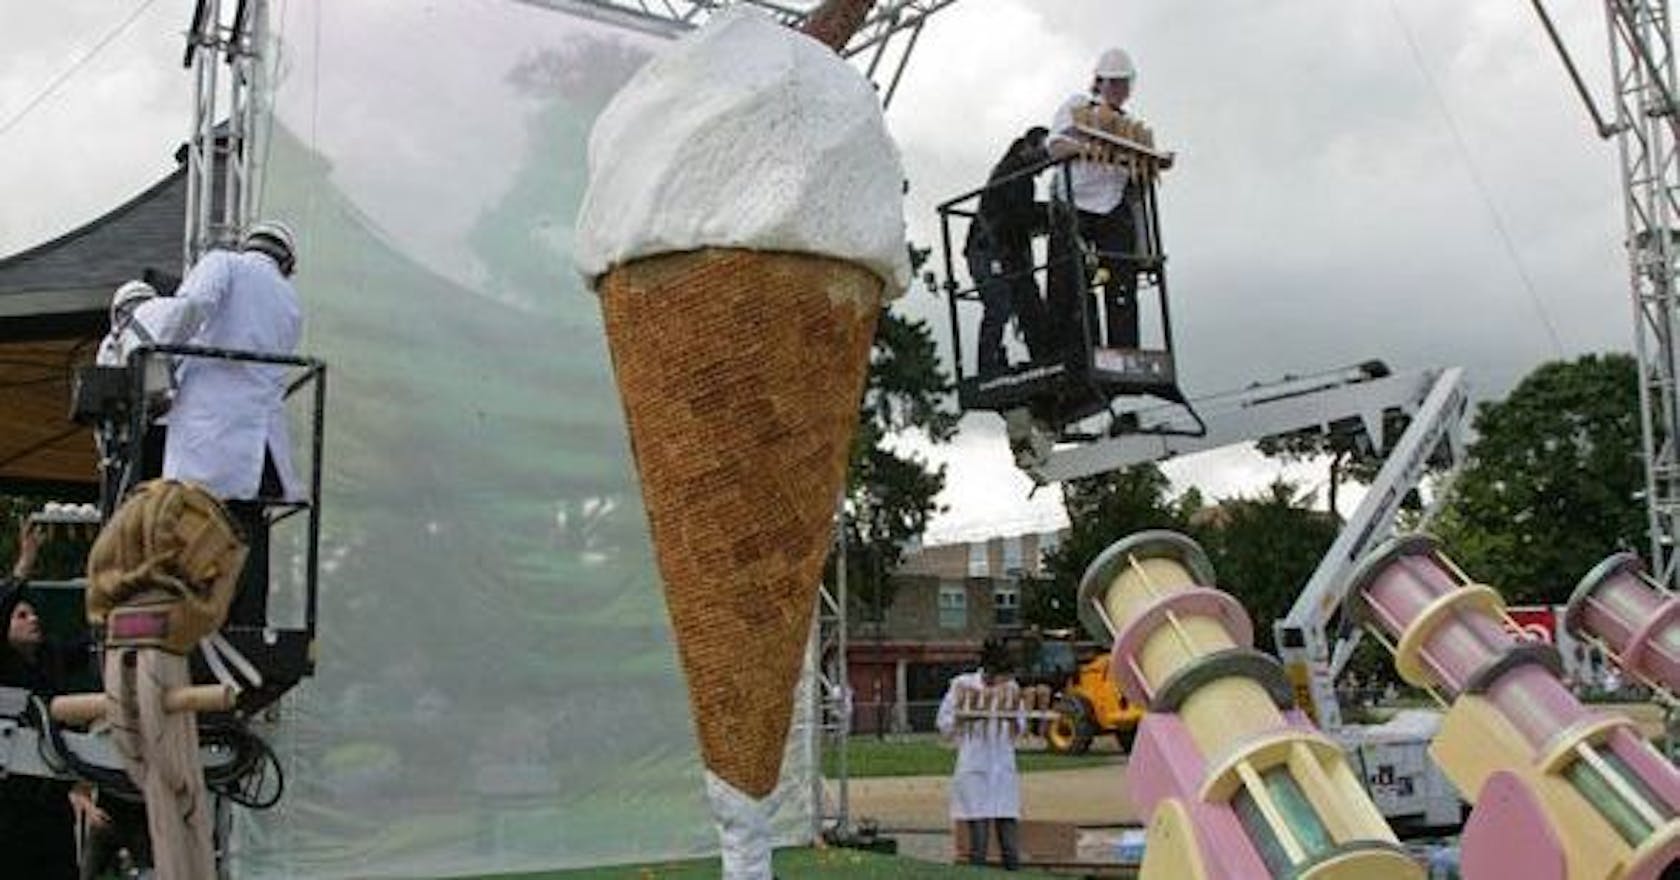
(983, 714)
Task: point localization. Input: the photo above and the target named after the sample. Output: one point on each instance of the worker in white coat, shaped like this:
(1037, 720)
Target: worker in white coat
(229, 417)
(227, 429)
(139, 316)
(983, 714)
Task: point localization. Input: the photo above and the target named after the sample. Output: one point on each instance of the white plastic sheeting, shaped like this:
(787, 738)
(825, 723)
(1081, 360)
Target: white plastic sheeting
(497, 689)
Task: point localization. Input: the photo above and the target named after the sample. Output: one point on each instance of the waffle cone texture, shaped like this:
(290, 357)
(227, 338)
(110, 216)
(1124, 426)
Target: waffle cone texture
(741, 373)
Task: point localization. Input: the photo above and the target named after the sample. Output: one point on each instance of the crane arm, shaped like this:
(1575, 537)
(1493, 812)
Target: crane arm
(1311, 655)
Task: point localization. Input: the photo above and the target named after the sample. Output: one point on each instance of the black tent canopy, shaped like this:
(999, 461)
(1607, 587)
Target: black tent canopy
(53, 301)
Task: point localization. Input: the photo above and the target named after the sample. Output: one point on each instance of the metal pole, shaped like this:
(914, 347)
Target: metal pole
(1604, 129)
(831, 724)
(842, 684)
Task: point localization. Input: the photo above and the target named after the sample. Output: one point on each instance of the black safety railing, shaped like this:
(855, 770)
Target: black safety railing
(1095, 372)
(305, 373)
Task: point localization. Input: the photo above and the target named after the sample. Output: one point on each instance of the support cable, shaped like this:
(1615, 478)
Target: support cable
(75, 67)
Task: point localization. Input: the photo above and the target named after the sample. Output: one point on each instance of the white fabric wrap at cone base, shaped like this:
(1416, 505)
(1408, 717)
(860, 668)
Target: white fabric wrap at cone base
(743, 825)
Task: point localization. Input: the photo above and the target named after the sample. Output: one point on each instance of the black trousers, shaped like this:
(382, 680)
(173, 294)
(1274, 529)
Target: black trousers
(1007, 288)
(250, 603)
(1008, 841)
(1111, 235)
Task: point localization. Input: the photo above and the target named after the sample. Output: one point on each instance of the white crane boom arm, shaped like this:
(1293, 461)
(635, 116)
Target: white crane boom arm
(1259, 412)
(1310, 655)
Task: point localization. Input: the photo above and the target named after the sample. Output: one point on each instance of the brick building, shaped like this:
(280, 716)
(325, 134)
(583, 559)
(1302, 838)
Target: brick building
(946, 599)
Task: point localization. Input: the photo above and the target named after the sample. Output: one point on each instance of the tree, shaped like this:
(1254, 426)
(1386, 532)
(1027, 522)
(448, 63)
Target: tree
(1101, 509)
(1264, 549)
(890, 494)
(1554, 480)
(1348, 451)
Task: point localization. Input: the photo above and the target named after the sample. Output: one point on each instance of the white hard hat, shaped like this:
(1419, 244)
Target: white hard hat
(1115, 64)
(129, 295)
(271, 235)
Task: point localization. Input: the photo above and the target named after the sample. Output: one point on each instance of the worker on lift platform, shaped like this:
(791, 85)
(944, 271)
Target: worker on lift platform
(1102, 192)
(1104, 244)
(999, 253)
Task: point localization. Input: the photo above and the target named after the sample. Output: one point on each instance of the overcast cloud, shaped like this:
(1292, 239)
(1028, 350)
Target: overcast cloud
(1341, 168)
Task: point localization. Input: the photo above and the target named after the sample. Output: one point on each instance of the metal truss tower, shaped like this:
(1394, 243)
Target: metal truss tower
(221, 150)
(1647, 134)
(1642, 64)
(831, 718)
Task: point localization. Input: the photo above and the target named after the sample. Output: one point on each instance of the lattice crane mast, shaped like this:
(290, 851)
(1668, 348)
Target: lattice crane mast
(1647, 135)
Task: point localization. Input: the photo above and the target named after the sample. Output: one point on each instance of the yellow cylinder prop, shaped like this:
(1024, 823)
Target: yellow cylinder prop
(1238, 783)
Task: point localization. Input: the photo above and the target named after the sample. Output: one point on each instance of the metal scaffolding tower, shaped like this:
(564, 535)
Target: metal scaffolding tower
(221, 166)
(831, 718)
(1645, 127)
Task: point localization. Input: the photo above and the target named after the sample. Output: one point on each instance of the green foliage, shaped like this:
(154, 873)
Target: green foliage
(1554, 480)
(889, 492)
(1345, 447)
(835, 863)
(1264, 549)
(869, 757)
(1101, 510)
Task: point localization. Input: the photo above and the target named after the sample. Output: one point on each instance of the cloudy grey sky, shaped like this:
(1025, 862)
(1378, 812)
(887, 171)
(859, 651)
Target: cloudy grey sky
(1411, 180)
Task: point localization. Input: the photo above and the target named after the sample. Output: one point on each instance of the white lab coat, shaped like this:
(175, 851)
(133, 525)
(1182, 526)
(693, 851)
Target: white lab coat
(984, 785)
(227, 413)
(159, 320)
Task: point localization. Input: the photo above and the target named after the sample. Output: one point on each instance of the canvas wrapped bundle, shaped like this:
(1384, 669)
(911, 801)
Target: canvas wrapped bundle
(166, 564)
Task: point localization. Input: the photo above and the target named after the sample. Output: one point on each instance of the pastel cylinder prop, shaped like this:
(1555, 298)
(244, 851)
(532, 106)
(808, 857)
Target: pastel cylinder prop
(1631, 617)
(1449, 636)
(1568, 791)
(1238, 783)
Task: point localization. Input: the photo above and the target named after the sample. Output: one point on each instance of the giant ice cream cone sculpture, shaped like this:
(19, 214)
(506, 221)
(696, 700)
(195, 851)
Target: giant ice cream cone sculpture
(743, 225)
(741, 418)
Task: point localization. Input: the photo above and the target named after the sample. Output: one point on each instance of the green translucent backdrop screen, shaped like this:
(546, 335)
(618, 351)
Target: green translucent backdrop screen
(497, 688)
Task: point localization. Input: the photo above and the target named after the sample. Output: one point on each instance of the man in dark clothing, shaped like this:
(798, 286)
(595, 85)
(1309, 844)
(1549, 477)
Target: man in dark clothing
(999, 253)
(36, 814)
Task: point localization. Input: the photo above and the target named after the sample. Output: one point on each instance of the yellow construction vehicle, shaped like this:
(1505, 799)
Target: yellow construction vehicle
(1070, 677)
(1089, 706)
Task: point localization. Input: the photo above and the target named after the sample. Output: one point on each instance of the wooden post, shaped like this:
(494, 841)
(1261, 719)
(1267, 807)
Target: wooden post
(836, 21)
(159, 749)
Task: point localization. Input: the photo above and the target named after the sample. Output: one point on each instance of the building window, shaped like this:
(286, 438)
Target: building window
(978, 565)
(953, 606)
(1006, 603)
(1012, 556)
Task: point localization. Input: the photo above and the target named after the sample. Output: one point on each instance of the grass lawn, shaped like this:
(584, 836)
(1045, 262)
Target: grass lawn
(791, 864)
(867, 756)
